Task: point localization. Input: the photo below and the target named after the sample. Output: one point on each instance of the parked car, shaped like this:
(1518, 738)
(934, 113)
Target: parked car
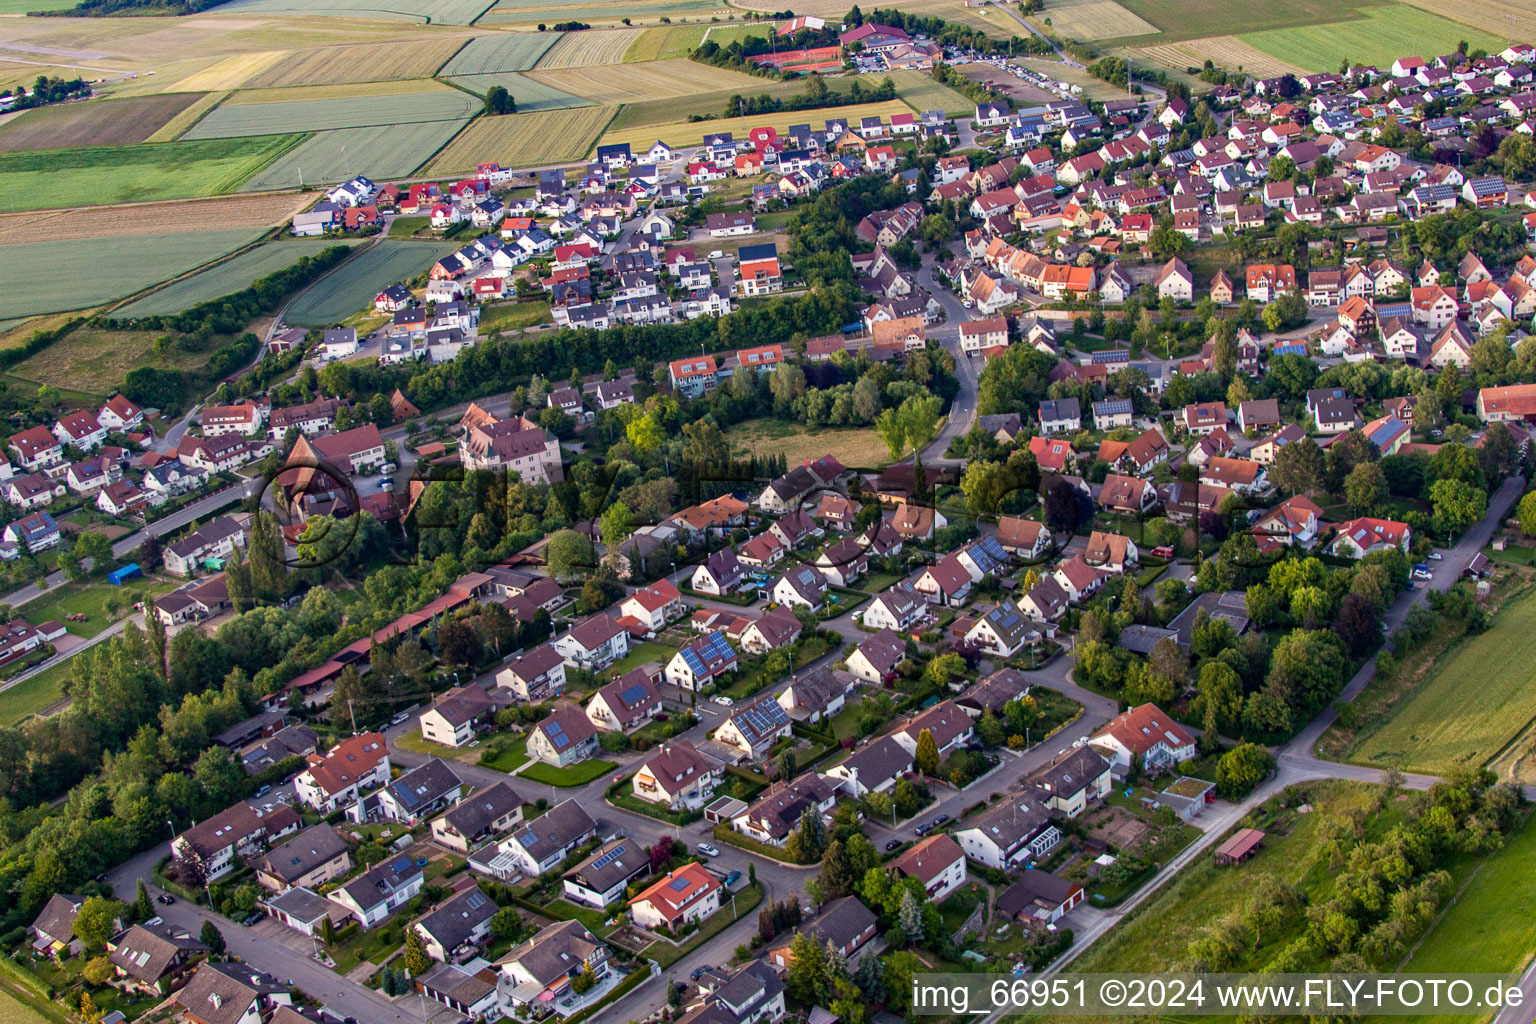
(923, 830)
(1435, 556)
(732, 878)
(165, 899)
(708, 851)
(263, 791)
(699, 972)
(941, 819)
(892, 844)
(724, 701)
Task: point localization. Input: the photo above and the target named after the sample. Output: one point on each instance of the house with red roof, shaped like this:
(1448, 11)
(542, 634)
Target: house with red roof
(1146, 732)
(1053, 455)
(653, 606)
(1359, 537)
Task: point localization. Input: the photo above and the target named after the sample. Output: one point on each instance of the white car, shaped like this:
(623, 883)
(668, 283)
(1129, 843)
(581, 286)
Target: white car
(708, 851)
(724, 701)
(1419, 574)
(1435, 556)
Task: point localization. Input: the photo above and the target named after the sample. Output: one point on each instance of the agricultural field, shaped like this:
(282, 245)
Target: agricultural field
(230, 72)
(189, 116)
(103, 175)
(434, 12)
(354, 284)
(1496, 16)
(119, 266)
(233, 120)
(1478, 700)
(93, 123)
(524, 140)
(94, 361)
(505, 51)
(391, 151)
(680, 40)
(1378, 36)
(226, 278)
(689, 133)
(1223, 51)
(254, 212)
(367, 62)
(852, 447)
(921, 91)
(525, 12)
(1193, 19)
(1094, 19)
(1093, 88)
(530, 94)
(653, 80)
(713, 104)
(584, 49)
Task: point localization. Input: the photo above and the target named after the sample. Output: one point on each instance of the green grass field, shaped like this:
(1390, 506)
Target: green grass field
(1492, 922)
(100, 175)
(681, 40)
(34, 695)
(119, 266)
(530, 94)
(512, 316)
(921, 91)
(853, 447)
(230, 276)
(1379, 36)
(392, 151)
(506, 52)
(354, 284)
(235, 120)
(1193, 19)
(714, 103)
(1478, 701)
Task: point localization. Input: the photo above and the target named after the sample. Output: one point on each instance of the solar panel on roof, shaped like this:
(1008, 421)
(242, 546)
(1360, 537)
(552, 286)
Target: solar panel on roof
(609, 857)
(679, 884)
(632, 696)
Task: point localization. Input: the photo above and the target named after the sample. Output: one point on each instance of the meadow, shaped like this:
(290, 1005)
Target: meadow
(653, 80)
(435, 12)
(354, 284)
(104, 122)
(712, 104)
(853, 447)
(1477, 701)
(1192, 19)
(503, 52)
(524, 140)
(116, 267)
(309, 115)
(922, 91)
(93, 360)
(227, 277)
(529, 94)
(1496, 16)
(1094, 19)
(391, 151)
(365, 62)
(1379, 36)
(593, 14)
(102, 175)
(689, 133)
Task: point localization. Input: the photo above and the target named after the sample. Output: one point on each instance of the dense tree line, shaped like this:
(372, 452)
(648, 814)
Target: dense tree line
(46, 90)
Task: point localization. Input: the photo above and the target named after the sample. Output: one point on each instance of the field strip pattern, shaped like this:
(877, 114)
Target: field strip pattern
(230, 72)
(331, 93)
(387, 151)
(1496, 16)
(637, 10)
(121, 266)
(105, 122)
(437, 12)
(226, 278)
(530, 94)
(1380, 36)
(322, 115)
(588, 48)
(173, 128)
(524, 140)
(502, 52)
(1224, 51)
(253, 212)
(353, 285)
(660, 79)
(1095, 19)
(363, 62)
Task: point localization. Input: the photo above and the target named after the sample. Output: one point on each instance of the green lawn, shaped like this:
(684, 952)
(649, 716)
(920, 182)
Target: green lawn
(638, 655)
(512, 316)
(90, 599)
(413, 741)
(578, 774)
(1478, 700)
(35, 695)
(513, 756)
(1378, 36)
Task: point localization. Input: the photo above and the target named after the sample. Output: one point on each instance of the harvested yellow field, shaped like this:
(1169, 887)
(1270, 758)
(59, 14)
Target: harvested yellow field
(1497, 16)
(230, 72)
(1223, 51)
(254, 211)
(1094, 19)
(187, 118)
(690, 133)
(369, 62)
(524, 140)
(589, 48)
(652, 80)
(351, 90)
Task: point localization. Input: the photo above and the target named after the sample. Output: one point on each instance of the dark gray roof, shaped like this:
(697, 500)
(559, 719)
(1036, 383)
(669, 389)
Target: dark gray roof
(474, 815)
(424, 785)
(610, 864)
(556, 829)
(302, 854)
(842, 921)
(222, 993)
(455, 921)
(1069, 773)
(1034, 887)
(883, 759)
(57, 919)
(554, 951)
